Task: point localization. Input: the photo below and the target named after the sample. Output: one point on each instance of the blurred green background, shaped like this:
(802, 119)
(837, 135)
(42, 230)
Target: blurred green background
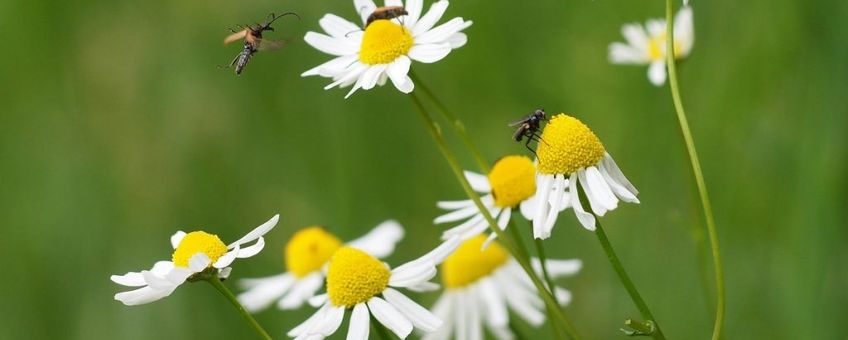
(116, 129)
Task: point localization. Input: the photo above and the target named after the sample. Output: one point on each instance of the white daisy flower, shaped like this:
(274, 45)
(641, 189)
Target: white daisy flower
(572, 155)
(359, 282)
(194, 252)
(306, 256)
(647, 46)
(511, 183)
(480, 287)
(385, 48)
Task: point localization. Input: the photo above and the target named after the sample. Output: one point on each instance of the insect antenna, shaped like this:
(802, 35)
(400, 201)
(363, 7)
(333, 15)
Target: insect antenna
(274, 18)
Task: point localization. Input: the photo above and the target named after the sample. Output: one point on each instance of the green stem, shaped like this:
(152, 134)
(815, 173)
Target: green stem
(540, 249)
(380, 330)
(216, 282)
(516, 236)
(431, 126)
(455, 123)
(696, 170)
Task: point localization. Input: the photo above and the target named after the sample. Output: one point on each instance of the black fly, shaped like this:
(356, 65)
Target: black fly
(529, 127)
(253, 42)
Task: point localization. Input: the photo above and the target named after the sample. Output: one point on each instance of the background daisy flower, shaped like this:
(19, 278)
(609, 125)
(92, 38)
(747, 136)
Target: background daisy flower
(511, 183)
(194, 252)
(647, 45)
(570, 156)
(359, 282)
(480, 287)
(385, 49)
(306, 255)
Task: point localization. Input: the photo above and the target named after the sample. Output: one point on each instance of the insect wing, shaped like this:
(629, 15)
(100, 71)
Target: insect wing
(269, 44)
(519, 122)
(235, 37)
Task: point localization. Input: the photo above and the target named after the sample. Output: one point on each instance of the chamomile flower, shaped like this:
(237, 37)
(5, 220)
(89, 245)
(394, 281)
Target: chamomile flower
(361, 283)
(306, 256)
(647, 46)
(510, 184)
(194, 252)
(572, 155)
(481, 286)
(385, 48)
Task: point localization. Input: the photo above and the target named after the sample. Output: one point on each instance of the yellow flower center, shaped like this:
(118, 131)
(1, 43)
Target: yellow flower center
(198, 242)
(354, 277)
(469, 264)
(513, 180)
(309, 249)
(656, 46)
(384, 41)
(568, 145)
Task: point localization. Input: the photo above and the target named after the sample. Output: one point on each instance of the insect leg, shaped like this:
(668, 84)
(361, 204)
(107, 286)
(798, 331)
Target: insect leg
(231, 63)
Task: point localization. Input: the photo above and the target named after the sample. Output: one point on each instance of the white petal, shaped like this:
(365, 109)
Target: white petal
(380, 241)
(136, 279)
(443, 309)
(398, 72)
(360, 323)
(331, 45)
(457, 40)
(198, 262)
(586, 219)
(157, 282)
(528, 207)
(464, 227)
(349, 76)
(617, 188)
(141, 296)
(424, 268)
(474, 329)
(318, 300)
(625, 54)
(442, 32)
(543, 192)
(330, 322)
(393, 3)
(308, 324)
(559, 191)
(656, 72)
(424, 287)
(336, 26)
(257, 232)
(429, 53)
(684, 30)
(635, 36)
(251, 250)
(421, 318)
(413, 7)
(616, 174)
(302, 290)
(262, 292)
(457, 215)
(503, 219)
(364, 8)
(601, 198)
(495, 312)
(563, 296)
(451, 205)
(480, 183)
(558, 268)
(177, 238)
(430, 18)
(228, 258)
(390, 317)
(525, 305)
(332, 68)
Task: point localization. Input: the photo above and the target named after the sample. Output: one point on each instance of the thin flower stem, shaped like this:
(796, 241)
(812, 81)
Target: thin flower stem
(431, 126)
(380, 330)
(516, 236)
(216, 282)
(696, 170)
(455, 123)
(540, 249)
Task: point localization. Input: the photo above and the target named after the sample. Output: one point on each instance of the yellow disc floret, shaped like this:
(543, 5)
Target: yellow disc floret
(309, 249)
(468, 263)
(568, 145)
(513, 180)
(198, 242)
(354, 277)
(384, 41)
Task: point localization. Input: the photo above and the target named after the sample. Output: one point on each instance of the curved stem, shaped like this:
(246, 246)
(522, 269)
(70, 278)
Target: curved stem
(216, 282)
(549, 300)
(540, 249)
(455, 123)
(696, 170)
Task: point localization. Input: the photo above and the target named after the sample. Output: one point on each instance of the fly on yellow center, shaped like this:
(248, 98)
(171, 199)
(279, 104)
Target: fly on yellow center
(513, 180)
(309, 249)
(198, 242)
(567, 146)
(355, 277)
(469, 264)
(656, 46)
(384, 41)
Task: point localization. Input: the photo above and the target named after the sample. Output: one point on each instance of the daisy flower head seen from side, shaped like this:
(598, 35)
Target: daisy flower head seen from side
(306, 256)
(571, 155)
(481, 286)
(363, 284)
(384, 49)
(195, 253)
(510, 184)
(647, 45)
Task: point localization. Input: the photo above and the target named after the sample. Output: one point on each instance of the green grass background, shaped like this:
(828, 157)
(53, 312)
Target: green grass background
(116, 129)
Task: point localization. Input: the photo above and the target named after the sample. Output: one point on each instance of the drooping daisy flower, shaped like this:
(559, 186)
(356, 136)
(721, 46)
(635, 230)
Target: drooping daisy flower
(385, 48)
(511, 183)
(306, 254)
(480, 286)
(194, 252)
(571, 155)
(359, 282)
(647, 46)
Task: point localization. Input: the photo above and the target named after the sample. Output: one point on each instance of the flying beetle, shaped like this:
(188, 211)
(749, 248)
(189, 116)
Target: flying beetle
(253, 41)
(385, 13)
(528, 127)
